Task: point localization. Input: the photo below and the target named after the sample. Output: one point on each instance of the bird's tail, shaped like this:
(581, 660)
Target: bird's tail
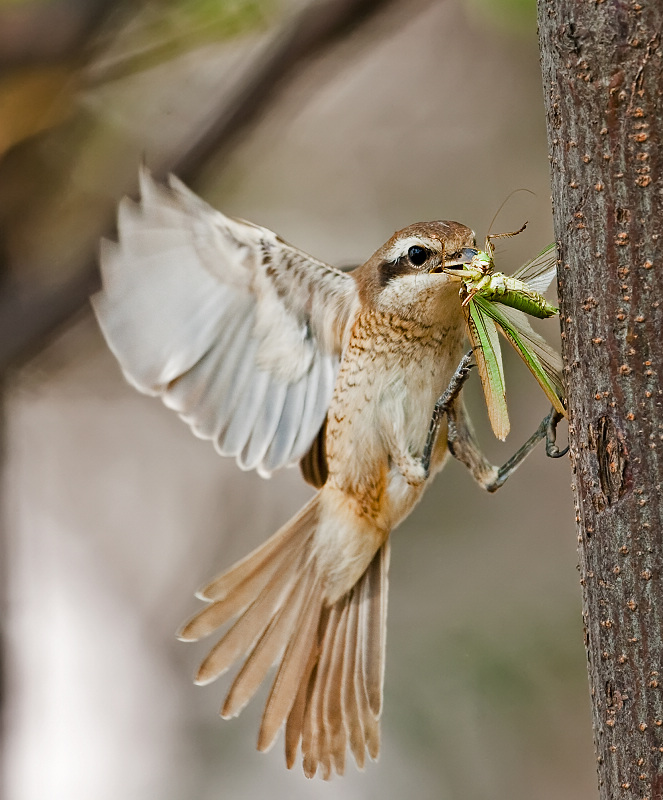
(328, 684)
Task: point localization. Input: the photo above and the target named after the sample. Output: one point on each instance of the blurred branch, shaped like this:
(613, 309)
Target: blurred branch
(29, 316)
(318, 26)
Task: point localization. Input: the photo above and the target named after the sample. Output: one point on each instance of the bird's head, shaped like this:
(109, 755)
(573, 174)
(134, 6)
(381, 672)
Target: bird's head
(405, 276)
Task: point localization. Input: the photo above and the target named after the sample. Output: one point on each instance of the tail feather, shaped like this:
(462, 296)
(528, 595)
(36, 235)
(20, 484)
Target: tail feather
(221, 611)
(295, 722)
(265, 558)
(351, 714)
(290, 673)
(335, 725)
(370, 724)
(375, 628)
(337, 708)
(328, 684)
(308, 728)
(314, 746)
(368, 719)
(266, 652)
(248, 629)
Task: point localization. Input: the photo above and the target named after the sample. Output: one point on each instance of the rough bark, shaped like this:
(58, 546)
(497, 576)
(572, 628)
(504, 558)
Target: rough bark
(602, 68)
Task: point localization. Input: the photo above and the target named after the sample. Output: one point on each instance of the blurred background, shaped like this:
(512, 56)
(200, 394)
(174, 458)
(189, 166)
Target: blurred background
(333, 122)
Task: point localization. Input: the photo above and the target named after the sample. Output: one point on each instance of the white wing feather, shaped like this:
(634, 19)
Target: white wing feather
(237, 331)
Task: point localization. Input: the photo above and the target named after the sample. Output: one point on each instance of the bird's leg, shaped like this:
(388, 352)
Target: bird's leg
(443, 406)
(463, 446)
(462, 442)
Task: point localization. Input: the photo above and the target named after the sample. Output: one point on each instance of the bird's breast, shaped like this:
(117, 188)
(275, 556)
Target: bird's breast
(390, 377)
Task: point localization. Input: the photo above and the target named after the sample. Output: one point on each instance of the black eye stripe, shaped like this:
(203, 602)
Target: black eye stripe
(392, 269)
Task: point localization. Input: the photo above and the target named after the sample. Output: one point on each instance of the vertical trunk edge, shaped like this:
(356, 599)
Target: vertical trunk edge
(602, 68)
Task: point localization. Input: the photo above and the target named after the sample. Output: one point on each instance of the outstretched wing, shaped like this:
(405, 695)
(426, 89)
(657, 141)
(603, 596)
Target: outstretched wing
(234, 329)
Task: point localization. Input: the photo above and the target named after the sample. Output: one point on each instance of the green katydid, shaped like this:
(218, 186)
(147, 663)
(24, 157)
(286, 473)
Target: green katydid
(492, 301)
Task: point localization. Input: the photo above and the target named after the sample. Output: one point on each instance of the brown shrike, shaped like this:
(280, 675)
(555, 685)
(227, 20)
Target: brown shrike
(281, 359)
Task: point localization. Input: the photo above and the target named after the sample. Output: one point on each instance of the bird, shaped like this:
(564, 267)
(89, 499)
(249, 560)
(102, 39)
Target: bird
(280, 359)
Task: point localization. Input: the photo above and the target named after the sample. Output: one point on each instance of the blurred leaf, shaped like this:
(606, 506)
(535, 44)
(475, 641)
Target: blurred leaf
(515, 17)
(165, 29)
(229, 17)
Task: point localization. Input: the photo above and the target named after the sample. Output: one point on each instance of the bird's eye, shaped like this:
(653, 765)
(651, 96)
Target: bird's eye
(417, 255)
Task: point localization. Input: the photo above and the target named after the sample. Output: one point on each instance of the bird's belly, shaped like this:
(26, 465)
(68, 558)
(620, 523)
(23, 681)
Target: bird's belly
(366, 426)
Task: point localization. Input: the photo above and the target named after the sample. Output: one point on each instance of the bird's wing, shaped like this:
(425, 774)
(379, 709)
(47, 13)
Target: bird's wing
(234, 329)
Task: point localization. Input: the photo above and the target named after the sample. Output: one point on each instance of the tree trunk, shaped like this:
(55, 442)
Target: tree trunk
(602, 68)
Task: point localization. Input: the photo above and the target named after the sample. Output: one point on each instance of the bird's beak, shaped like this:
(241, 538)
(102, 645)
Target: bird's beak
(467, 254)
